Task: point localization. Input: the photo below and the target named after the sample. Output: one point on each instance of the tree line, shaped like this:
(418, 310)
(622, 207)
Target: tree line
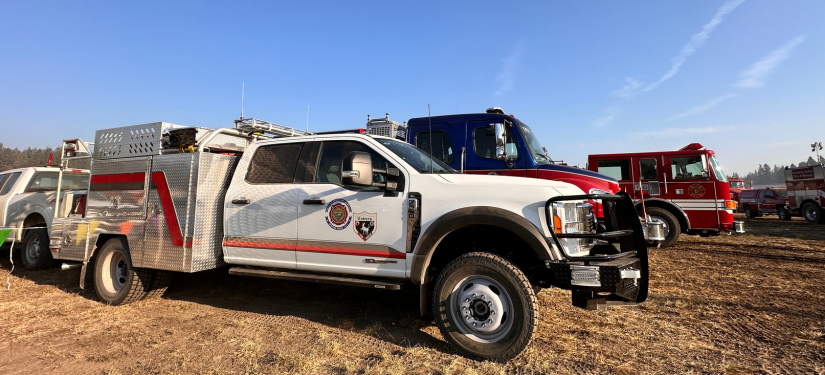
(767, 175)
(34, 157)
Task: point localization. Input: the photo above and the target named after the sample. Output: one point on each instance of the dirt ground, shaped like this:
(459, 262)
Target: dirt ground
(752, 303)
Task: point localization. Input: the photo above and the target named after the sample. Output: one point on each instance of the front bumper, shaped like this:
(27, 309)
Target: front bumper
(616, 270)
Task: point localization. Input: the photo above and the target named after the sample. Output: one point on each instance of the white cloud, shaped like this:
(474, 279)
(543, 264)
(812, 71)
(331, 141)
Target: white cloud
(629, 90)
(755, 76)
(704, 107)
(506, 77)
(695, 42)
(681, 132)
(610, 114)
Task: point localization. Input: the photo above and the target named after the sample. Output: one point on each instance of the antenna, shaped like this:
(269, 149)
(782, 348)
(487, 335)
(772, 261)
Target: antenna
(243, 84)
(430, 122)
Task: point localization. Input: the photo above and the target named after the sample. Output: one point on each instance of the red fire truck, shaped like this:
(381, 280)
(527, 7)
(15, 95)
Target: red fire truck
(806, 192)
(737, 185)
(685, 189)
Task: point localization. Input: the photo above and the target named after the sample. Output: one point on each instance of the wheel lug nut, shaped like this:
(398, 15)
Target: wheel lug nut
(483, 297)
(467, 300)
(468, 317)
(489, 303)
(491, 320)
(474, 324)
(483, 326)
(464, 308)
(474, 295)
(492, 312)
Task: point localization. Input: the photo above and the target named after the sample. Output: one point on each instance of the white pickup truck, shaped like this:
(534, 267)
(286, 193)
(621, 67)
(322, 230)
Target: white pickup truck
(27, 201)
(349, 209)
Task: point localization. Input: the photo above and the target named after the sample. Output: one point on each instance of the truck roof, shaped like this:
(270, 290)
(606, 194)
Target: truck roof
(653, 153)
(458, 118)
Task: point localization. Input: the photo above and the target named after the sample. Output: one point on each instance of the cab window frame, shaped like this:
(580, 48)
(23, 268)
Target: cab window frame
(508, 134)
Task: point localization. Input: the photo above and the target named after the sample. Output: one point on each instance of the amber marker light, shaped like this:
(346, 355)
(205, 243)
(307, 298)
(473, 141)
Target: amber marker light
(730, 205)
(557, 224)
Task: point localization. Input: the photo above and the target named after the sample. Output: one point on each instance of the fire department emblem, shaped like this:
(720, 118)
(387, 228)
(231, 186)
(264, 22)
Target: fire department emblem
(338, 214)
(365, 224)
(696, 191)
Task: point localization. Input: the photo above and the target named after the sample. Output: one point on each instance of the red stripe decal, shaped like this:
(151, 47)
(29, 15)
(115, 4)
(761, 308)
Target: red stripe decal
(318, 249)
(159, 178)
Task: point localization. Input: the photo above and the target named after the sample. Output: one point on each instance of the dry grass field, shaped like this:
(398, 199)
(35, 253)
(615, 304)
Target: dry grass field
(752, 303)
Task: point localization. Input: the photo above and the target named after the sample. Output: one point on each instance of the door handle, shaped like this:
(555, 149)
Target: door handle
(240, 200)
(314, 201)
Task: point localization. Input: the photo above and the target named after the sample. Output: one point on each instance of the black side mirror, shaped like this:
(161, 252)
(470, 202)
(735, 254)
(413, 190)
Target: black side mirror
(357, 169)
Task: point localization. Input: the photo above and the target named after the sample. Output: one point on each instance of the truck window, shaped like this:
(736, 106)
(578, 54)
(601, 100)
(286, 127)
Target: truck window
(647, 167)
(485, 145)
(684, 167)
(769, 194)
(274, 164)
(10, 180)
(618, 169)
(47, 181)
(443, 150)
(331, 159)
(781, 193)
(761, 194)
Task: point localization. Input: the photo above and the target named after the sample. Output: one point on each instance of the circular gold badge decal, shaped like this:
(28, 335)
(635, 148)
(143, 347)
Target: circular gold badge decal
(696, 191)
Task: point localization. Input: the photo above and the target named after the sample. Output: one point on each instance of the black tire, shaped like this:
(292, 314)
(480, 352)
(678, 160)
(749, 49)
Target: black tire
(116, 281)
(749, 213)
(672, 227)
(510, 330)
(36, 254)
(812, 213)
(160, 282)
(783, 213)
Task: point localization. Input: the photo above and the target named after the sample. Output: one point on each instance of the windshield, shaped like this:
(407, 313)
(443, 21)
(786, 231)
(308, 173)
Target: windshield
(737, 184)
(717, 170)
(533, 144)
(420, 160)
(781, 193)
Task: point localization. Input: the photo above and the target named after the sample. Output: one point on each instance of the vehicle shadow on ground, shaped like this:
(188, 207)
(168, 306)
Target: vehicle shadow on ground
(391, 316)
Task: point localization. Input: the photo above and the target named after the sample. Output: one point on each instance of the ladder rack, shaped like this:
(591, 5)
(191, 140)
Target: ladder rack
(253, 125)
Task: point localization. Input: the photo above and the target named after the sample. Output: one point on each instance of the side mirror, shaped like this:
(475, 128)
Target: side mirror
(357, 169)
(501, 152)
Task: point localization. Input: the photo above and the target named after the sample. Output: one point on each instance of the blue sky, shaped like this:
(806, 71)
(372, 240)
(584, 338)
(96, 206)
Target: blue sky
(744, 78)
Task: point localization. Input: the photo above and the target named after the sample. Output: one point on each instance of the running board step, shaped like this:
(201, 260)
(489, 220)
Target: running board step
(364, 282)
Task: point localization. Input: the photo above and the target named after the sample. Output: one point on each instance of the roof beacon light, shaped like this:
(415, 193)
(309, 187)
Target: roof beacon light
(692, 146)
(496, 110)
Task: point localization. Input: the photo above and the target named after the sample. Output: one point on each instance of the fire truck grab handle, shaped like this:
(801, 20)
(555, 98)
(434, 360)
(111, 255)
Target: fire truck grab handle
(240, 201)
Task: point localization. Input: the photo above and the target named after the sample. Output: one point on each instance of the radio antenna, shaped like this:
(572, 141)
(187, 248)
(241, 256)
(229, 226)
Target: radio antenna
(430, 122)
(242, 90)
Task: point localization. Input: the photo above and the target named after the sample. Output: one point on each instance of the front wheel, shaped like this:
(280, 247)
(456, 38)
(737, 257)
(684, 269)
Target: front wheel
(36, 254)
(811, 213)
(485, 307)
(672, 230)
(116, 281)
(749, 213)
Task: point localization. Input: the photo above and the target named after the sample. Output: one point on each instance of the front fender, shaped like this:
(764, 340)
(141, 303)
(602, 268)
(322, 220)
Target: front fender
(469, 216)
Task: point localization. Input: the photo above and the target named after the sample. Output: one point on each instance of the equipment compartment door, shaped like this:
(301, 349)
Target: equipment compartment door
(350, 230)
(261, 208)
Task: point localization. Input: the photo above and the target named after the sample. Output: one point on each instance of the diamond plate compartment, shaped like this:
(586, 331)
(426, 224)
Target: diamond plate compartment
(214, 174)
(129, 141)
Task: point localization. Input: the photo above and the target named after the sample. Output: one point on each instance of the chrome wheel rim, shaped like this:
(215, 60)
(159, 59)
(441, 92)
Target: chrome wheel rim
(481, 308)
(115, 269)
(665, 228)
(811, 213)
(33, 250)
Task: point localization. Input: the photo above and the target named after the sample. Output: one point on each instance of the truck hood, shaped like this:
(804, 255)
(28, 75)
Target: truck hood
(561, 188)
(583, 178)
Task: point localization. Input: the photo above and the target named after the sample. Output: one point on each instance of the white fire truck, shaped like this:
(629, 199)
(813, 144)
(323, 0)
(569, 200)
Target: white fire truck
(349, 209)
(806, 192)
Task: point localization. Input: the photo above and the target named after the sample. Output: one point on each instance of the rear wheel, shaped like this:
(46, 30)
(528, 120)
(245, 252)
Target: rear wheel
(811, 213)
(485, 307)
(160, 282)
(116, 281)
(671, 229)
(36, 254)
(748, 213)
(783, 213)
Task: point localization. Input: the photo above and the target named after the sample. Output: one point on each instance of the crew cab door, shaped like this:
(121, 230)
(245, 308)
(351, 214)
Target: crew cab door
(347, 229)
(767, 201)
(693, 190)
(261, 207)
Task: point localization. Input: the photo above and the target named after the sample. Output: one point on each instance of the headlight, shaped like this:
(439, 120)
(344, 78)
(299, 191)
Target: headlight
(569, 218)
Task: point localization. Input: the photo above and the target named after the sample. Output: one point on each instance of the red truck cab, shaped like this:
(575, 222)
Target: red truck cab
(685, 189)
(769, 201)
